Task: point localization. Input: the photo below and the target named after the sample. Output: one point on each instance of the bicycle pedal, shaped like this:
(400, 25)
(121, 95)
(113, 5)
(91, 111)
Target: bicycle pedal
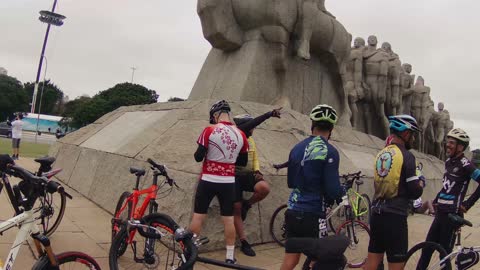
(202, 241)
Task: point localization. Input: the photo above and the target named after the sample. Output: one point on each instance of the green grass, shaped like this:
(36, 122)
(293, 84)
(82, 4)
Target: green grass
(27, 149)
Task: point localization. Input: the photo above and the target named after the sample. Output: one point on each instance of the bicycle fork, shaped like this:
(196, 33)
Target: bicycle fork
(42, 240)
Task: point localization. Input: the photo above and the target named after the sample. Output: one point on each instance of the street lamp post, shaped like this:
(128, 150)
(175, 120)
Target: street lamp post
(48, 18)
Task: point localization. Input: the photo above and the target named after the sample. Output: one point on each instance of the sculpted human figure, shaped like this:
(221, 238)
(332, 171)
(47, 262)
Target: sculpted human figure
(308, 16)
(440, 124)
(420, 98)
(376, 71)
(392, 103)
(406, 88)
(352, 73)
(427, 127)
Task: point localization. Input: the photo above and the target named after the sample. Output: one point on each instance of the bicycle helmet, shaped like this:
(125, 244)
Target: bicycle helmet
(218, 106)
(242, 119)
(460, 135)
(403, 122)
(324, 112)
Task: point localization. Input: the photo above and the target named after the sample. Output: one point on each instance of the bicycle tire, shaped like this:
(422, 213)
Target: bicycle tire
(356, 256)
(183, 261)
(278, 224)
(66, 260)
(365, 218)
(413, 256)
(54, 200)
(124, 216)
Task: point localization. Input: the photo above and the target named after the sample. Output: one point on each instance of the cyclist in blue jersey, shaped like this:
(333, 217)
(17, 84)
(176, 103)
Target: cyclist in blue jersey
(313, 175)
(396, 183)
(458, 172)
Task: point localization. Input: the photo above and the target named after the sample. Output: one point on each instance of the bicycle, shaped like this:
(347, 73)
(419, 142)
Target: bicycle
(53, 205)
(127, 211)
(465, 257)
(37, 187)
(360, 207)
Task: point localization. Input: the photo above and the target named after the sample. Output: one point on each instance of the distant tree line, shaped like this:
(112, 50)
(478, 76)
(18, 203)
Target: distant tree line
(16, 97)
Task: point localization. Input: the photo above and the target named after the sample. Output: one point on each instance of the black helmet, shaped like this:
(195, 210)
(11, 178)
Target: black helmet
(218, 106)
(242, 119)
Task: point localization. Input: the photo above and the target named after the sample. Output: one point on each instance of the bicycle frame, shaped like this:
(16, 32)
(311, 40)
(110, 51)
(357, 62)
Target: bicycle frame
(26, 222)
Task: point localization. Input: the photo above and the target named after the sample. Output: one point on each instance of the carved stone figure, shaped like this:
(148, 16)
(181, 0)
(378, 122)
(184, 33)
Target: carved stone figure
(406, 88)
(352, 72)
(392, 102)
(420, 98)
(440, 124)
(250, 60)
(427, 127)
(376, 72)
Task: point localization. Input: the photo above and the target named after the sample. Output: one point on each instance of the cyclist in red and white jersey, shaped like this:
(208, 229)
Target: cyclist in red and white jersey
(221, 146)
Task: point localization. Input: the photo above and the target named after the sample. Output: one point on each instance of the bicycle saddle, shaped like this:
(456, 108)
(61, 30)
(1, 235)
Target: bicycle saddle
(137, 171)
(45, 161)
(330, 248)
(457, 220)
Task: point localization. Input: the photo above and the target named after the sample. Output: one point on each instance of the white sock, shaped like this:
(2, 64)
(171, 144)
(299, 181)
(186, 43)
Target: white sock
(230, 252)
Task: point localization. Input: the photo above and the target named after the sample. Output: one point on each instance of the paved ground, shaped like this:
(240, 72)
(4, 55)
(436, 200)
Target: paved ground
(86, 227)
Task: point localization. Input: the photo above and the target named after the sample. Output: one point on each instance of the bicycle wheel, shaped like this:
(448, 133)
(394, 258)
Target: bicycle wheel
(437, 254)
(359, 235)
(337, 219)
(53, 208)
(364, 205)
(149, 253)
(123, 216)
(277, 225)
(68, 260)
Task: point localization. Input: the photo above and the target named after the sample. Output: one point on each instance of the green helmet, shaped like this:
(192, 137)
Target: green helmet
(324, 112)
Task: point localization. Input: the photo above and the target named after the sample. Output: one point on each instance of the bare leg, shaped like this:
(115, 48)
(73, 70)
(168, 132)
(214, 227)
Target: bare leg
(229, 230)
(290, 260)
(373, 260)
(261, 190)
(309, 9)
(197, 221)
(237, 220)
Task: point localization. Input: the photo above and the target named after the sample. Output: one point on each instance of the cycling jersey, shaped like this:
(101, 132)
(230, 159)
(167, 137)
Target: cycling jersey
(253, 164)
(395, 180)
(313, 174)
(224, 142)
(458, 172)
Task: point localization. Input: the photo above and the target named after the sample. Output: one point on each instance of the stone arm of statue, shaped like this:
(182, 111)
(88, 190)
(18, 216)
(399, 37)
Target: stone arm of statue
(358, 78)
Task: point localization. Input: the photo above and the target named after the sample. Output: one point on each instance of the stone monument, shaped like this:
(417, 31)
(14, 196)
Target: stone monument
(393, 84)
(406, 86)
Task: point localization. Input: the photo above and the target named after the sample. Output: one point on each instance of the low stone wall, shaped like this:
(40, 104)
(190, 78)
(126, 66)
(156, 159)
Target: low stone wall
(96, 159)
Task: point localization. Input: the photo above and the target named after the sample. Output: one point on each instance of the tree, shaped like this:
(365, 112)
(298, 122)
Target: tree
(13, 97)
(84, 110)
(52, 97)
(175, 99)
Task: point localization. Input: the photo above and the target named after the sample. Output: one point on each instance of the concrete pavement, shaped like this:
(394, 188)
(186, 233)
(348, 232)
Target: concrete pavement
(86, 227)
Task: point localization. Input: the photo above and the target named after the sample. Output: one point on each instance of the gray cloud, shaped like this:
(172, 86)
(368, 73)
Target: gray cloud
(101, 40)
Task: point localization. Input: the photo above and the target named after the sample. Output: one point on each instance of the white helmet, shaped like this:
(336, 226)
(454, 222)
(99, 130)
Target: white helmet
(460, 135)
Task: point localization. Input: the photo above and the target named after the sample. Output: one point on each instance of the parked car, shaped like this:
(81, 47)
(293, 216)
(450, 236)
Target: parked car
(5, 130)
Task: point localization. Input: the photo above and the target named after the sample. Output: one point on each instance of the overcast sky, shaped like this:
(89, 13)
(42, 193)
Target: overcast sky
(101, 40)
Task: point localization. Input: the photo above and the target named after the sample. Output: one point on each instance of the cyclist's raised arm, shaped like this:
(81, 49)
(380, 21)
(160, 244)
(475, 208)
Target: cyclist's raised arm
(414, 189)
(247, 126)
(331, 178)
(475, 175)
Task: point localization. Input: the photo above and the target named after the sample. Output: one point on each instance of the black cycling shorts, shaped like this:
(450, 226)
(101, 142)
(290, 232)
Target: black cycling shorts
(245, 182)
(389, 234)
(305, 224)
(225, 192)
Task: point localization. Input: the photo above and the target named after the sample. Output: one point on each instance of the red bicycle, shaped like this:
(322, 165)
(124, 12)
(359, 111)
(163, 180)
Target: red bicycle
(127, 206)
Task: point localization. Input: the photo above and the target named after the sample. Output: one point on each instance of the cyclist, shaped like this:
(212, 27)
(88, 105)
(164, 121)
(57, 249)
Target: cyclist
(313, 175)
(220, 147)
(396, 182)
(249, 178)
(458, 172)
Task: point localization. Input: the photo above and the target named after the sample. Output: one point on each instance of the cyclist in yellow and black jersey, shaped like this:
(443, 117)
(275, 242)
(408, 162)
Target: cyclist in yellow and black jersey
(396, 182)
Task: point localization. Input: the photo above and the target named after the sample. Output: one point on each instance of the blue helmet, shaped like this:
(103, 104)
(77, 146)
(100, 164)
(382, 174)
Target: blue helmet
(403, 122)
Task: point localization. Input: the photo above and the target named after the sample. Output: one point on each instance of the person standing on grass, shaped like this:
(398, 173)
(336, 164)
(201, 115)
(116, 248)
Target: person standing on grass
(17, 126)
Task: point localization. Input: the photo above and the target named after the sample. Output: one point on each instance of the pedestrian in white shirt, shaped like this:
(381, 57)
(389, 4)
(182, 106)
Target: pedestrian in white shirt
(17, 126)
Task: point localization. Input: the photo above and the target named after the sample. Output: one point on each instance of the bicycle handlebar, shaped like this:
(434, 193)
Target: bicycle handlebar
(163, 171)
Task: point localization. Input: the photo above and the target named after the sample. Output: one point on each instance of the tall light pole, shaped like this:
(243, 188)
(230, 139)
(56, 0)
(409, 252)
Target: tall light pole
(48, 18)
(133, 72)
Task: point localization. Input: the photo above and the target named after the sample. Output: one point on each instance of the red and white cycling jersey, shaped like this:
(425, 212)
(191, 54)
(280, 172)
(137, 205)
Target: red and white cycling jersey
(224, 142)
